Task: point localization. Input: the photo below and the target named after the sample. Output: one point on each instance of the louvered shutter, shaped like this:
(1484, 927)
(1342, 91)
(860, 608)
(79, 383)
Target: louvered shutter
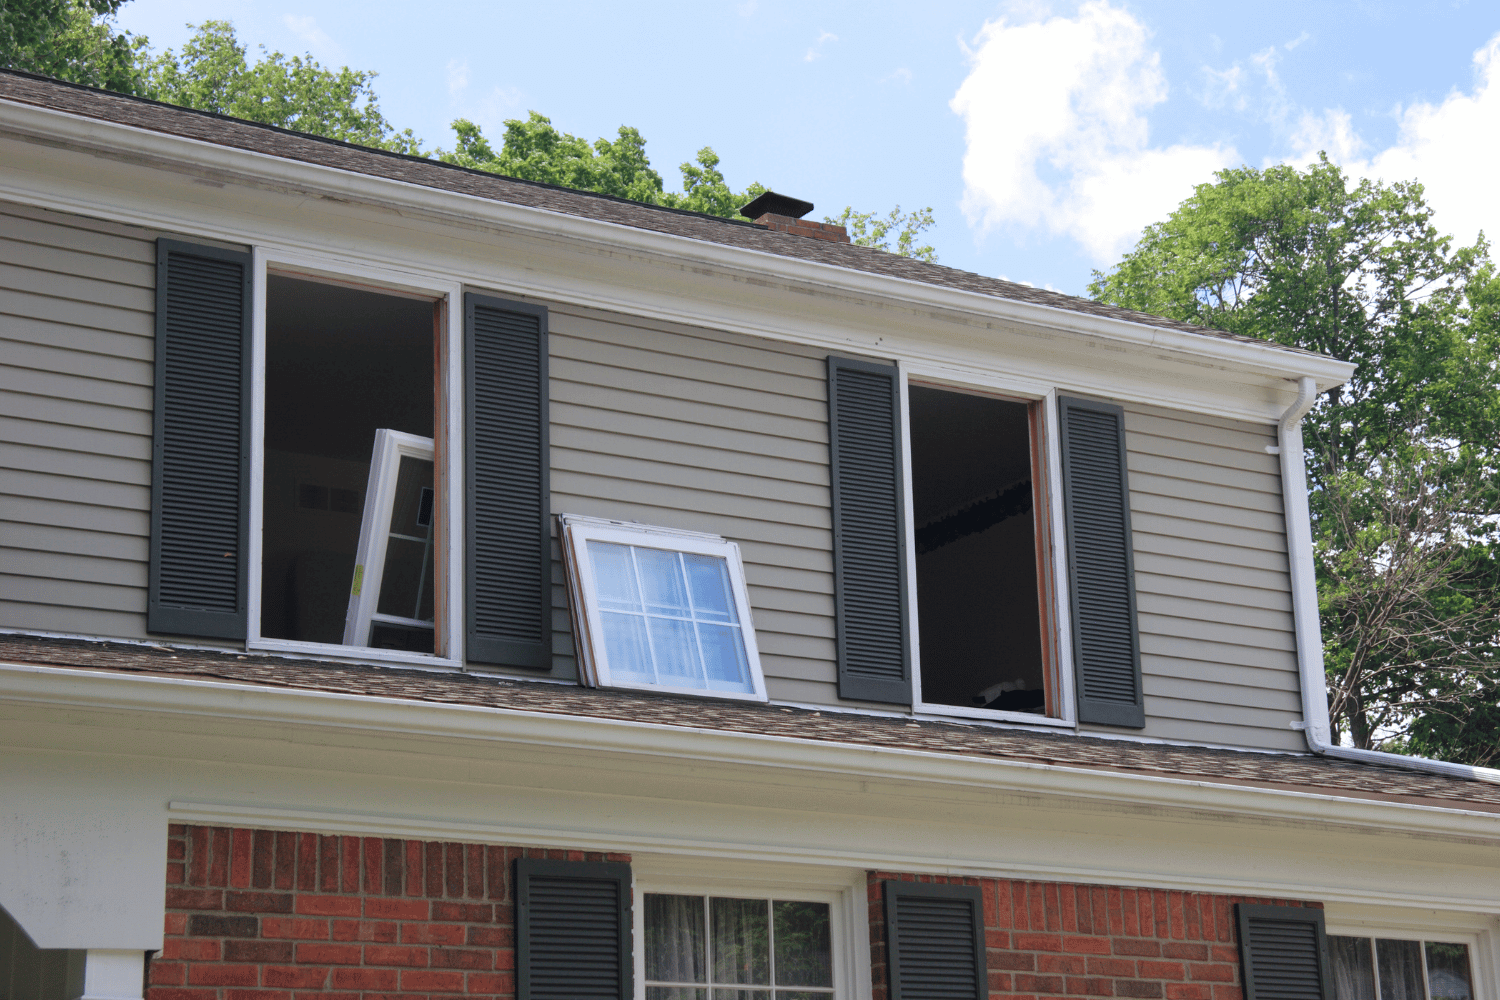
(934, 941)
(506, 547)
(573, 930)
(1101, 566)
(869, 537)
(1284, 952)
(200, 461)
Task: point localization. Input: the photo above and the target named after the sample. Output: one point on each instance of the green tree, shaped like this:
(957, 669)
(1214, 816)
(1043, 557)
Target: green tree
(870, 230)
(212, 74)
(71, 40)
(1402, 459)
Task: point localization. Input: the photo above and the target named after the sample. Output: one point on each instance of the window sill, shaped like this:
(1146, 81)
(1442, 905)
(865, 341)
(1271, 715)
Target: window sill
(353, 654)
(689, 692)
(990, 715)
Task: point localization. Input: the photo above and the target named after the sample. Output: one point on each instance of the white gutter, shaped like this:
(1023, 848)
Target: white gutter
(1305, 610)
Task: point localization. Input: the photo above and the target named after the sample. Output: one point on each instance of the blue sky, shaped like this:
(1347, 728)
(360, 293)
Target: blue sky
(1043, 135)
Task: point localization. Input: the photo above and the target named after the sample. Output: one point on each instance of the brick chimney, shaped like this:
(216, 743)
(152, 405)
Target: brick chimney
(782, 214)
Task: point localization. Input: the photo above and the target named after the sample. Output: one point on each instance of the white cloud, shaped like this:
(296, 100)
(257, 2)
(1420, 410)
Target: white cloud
(747, 8)
(458, 76)
(1451, 147)
(900, 74)
(1289, 46)
(306, 28)
(1057, 135)
(816, 51)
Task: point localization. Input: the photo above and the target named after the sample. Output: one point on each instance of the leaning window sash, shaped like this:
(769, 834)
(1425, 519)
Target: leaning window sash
(391, 447)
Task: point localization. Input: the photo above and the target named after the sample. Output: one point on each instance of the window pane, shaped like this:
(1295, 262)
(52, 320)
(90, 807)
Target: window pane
(406, 579)
(676, 650)
(675, 951)
(675, 993)
(741, 945)
(1400, 970)
(804, 950)
(661, 579)
(385, 635)
(724, 658)
(708, 576)
(1353, 968)
(614, 577)
(802, 995)
(1448, 971)
(742, 995)
(625, 648)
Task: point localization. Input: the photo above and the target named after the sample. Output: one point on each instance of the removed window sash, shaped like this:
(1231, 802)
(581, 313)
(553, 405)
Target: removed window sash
(375, 536)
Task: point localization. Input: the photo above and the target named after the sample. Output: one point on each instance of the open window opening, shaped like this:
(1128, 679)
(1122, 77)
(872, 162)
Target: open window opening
(980, 552)
(350, 510)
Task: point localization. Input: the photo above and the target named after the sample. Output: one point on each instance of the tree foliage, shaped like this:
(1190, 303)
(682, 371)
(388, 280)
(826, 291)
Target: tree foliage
(71, 40)
(867, 229)
(296, 92)
(1402, 459)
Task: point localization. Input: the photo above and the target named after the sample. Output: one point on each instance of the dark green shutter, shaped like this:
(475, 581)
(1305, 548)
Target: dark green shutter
(507, 549)
(1101, 567)
(869, 536)
(573, 930)
(200, 461)
(935, 941)
(1284, 952)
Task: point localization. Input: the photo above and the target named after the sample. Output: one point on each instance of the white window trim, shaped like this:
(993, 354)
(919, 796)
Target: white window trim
(848, 917)
(1061, 618)
(576, 529)
(375, 530)
(1484, 959)
(449, 429)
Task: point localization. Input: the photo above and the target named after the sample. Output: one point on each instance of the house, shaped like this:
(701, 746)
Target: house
(416, 582)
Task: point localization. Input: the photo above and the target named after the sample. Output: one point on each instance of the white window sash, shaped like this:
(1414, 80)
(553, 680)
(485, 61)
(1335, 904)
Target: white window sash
(375, 533)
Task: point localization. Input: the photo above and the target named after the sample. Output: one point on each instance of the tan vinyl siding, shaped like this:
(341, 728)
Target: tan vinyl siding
(717, 432)
(1218, 646)
(76, 368)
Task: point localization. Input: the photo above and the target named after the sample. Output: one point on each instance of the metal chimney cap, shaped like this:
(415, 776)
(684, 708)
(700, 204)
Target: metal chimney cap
(772, 203)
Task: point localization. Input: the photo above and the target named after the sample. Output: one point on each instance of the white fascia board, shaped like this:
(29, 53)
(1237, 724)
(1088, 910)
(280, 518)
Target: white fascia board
(181, 154)
(226, 701)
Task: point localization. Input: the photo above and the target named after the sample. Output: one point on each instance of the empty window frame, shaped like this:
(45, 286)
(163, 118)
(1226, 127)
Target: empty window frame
(981, 553)
(1375, 968)
(660, 609)
(342, 366)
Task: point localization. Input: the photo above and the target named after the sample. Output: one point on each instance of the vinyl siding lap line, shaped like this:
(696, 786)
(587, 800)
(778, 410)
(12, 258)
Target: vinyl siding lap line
(71, 414)
(1210, 573)
(1215, 594)
(73, 540)
(687, 369)
(672, 408)
(78, 288)
(1171, 546)
(668, 452)
(810, 522)
(1225, 634)
(91, 441)
(79, 339)
(68, 593)
(723, 436)
(652, 384)
(49, 232)
(1212, 651)
(739, 349)
(1228, 497)
(1229, 674)
(24, 305)
(1202, 609)
(1258, 461)
(44, 485)
(615, 465)
(71, 263)
(83, 568)
(70, 387)
(1243, 437)
(93, 467)
(32, 509)
(58, 360)
(1205, 528)
(1181, 509)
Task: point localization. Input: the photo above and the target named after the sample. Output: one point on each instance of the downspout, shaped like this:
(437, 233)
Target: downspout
(1305, 610)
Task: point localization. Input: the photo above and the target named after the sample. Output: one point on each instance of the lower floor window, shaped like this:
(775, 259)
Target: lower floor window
(717, 948)
(1394, 969)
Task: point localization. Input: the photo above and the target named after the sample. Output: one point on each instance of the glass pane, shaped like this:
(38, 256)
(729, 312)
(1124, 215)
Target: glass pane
(408, 637)
(661, 579)
(625, 648)
(724, 658)
(741, 945)
(675, 993)
(614, 577)
(804, 948)
(1448, 971)
(675, 950)
(411, 513)
(802, 995)
(1400, 970)
(1353, 968)
(742, 995)
(676, 651)
(708, 576)
(406, 581)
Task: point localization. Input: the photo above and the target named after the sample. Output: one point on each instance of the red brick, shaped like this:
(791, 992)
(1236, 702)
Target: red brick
(494, 872)
(1161, 970)
(432, 869)
(397, 909)
(1175, 915)
(295, 977)
(1190, 952)
(392, 955)
(193, 950)
(176, 873)
(1038, 984)
(265, 995)
(1211, 972)
(490, 937)
(413, 868)
(218, 863)
(1111, 967)
(1189, 991)
(491, 982)
(1012, 961)
(365, 979)
(285, 873)
(1228, 993)
(175, 923)
(328, 906)
(1224, 953)
(1038, 942)
(240, 850)
(168, 973)
(328, 863)
(374, 856)
(176, 850)
(198, 867)
(176, 829)
(258, 902)
(223, 975)
(307, 862)
(195, 899)
(1074, 965)
(1130, 909)
(462, 958)
(170, 993)
(999, 981)
(328, 954)
(432, 934)
(1068, 897)
(437, 982)
(1137, 988)
(1090, 986)
(351, 864)
(1051, 907)
(262, 857)
(364, 930)
(996, 939)
(278, 952)
(214, 925)
(1135, 946)
(294, 927)
(474, 871)
(471, 912)
(1078, 944)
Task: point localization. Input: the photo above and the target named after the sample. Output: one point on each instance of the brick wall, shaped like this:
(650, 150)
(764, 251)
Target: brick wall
(271, 915)
(1047, 940)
